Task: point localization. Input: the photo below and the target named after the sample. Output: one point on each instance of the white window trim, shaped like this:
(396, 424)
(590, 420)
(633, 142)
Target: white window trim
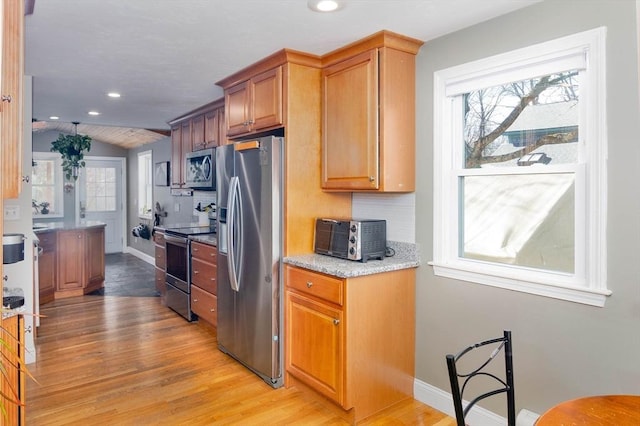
(589, 284)
(148, 153)
(59, 185)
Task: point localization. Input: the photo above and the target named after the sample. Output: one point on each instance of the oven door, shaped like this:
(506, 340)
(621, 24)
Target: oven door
(177, 262)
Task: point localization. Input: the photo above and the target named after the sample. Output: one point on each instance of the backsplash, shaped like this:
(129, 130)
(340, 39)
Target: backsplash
(397, 209)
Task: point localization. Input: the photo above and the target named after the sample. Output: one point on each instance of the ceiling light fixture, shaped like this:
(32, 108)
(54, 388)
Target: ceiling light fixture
(54, 117)
(113, 95)
(325, 5)
(93, 113)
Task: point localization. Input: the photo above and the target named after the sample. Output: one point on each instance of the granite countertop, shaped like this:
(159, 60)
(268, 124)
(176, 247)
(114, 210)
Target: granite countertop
(211, 239)
(406, 256)
(66, 226)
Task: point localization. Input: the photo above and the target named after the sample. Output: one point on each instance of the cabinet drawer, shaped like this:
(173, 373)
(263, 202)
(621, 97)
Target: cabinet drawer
(158, 238)
(203, 274)
(315, 284)
(47, 241)
(161, 261)
(204, 305)
(204, 252)
(161, 285)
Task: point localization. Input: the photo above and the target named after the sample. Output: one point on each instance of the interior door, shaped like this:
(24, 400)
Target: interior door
(100, 198)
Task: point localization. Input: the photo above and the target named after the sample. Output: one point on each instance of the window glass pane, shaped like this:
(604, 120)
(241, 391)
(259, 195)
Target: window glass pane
(101, 189)
(524, 123)
(524, 220)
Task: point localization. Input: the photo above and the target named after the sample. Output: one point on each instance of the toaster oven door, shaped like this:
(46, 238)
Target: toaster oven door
(332, 237)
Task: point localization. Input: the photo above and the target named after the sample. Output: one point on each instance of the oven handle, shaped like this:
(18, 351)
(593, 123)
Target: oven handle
(179, 241)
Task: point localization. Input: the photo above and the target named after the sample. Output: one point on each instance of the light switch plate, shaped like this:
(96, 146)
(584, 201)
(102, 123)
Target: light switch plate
(11, 212)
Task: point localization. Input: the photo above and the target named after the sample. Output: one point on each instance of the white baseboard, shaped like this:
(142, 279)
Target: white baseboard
(442, 401)
(140, 255)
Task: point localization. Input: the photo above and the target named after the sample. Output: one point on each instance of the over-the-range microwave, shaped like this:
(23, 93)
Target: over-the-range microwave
(200, 170)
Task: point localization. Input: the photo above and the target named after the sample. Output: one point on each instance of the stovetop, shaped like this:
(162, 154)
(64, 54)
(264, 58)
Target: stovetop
(192, 230)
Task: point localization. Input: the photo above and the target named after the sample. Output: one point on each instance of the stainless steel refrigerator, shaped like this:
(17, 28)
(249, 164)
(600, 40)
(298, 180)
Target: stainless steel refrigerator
(249, 203)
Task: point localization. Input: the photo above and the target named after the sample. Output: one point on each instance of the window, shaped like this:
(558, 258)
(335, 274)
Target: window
(145, 185)
(100, 191)
(520, 170)
(46, 188)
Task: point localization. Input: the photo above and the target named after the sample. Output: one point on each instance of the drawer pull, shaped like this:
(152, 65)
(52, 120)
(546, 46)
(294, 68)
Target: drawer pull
(213, 310)
(309, 284)
(195, 300)
(336, 321)
(195, 272)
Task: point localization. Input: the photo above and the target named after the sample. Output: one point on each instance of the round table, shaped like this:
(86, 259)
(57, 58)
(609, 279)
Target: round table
(605, 410)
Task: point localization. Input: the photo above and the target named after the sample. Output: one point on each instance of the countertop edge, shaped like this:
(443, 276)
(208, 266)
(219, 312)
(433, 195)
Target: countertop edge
(406, 256)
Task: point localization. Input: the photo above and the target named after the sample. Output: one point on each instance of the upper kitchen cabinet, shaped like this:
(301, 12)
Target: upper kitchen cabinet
(368, 115)
(11, 96)
(255, 105)
(198, 129)
(284, 91)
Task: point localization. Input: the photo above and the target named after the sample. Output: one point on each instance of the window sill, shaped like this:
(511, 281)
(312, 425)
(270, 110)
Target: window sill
(586, 296)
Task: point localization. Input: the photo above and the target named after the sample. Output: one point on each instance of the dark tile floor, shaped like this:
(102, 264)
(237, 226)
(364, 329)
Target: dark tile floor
(127, 275)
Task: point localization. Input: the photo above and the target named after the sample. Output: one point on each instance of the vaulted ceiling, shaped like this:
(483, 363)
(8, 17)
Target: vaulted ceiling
(164, 56)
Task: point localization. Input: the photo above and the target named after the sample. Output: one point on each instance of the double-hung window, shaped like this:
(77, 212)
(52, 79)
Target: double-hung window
(520, 170)
(47, 183)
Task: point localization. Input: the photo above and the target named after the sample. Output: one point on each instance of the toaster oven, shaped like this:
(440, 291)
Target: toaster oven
(352, 239)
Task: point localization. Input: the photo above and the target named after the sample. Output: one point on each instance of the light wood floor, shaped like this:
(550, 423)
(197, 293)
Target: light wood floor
(130, 360)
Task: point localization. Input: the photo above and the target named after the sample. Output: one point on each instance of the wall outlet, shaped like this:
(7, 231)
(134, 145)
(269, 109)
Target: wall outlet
(11, 212)
(176, 207)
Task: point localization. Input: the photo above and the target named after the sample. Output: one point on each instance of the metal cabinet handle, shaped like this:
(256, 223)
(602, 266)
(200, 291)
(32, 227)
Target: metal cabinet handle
(6, 98)
(336, 321)
(372, 179)
(213, 310)
(195, 272)
(309, 284)
(26, 178)
(195, 300)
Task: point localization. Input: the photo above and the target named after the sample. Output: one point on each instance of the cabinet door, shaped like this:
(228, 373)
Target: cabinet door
(197, 133)
(161, 286)
(13, 379)
(315, 345)
(350, 123)
(266, 99)
(46, 276)
(94, 252)
(176, 157)
(70, 260)
(11, 92)
(211, 131)
(237, 99)
(160, 253)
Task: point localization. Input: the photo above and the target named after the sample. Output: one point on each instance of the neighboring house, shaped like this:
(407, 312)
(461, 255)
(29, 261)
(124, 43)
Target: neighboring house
(560, 117)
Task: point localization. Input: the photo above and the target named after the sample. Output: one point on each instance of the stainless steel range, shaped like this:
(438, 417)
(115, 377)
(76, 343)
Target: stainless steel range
(178, 276)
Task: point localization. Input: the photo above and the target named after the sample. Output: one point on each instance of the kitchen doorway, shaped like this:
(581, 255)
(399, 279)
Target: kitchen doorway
(100, 190)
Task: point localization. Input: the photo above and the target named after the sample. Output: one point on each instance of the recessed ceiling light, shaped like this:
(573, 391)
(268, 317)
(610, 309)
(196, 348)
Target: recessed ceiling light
(93, 113)
(54, 117)
(113, 95)
(325, 5)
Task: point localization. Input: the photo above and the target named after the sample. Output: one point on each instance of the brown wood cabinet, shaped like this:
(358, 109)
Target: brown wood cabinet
(301, 113)
(11, 96)
(351, 339)
(204, 288)
(368, 98)
(198, 129)
(80, 261)
(255, 105)
(47, 267)
(12, 380)
(160, 262)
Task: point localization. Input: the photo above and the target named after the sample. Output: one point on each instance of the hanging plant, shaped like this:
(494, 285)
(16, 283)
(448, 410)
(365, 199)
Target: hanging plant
(72, 149)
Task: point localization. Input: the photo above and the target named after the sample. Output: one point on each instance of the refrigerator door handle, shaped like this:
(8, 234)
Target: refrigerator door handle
(234, 232)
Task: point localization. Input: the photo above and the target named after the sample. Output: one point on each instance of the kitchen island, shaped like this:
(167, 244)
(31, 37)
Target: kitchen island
(72, 258)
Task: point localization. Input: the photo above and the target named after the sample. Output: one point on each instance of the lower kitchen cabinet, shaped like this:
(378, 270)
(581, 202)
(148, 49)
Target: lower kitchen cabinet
(47, 267)
(204, 301)
(352, 340)
(12, 380)
(160, 262)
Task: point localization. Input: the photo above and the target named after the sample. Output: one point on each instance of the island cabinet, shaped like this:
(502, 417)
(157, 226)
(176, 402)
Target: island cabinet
(12, 65)
(368, 115)
(255, 105)
(160, 262)
(80, 261)
(12, 380)
(47, 267)
(351, 339)
(204, 288)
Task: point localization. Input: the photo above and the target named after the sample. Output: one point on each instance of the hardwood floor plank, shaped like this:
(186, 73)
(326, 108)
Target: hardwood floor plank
(132, 361)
